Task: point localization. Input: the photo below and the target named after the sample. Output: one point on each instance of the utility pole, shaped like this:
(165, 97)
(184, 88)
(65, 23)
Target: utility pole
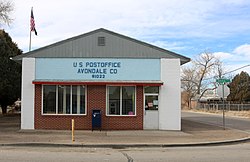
(222, 82)
(223, 103)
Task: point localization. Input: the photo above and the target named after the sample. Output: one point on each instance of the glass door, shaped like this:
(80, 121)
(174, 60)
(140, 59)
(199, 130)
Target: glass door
(151, 114)
(151, 102)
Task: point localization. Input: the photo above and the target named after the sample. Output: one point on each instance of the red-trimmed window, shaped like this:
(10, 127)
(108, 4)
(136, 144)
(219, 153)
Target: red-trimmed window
(121, 100)
(64, 99)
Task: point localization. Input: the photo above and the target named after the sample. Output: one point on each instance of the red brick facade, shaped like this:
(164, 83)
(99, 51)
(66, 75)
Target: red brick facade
(96, 99)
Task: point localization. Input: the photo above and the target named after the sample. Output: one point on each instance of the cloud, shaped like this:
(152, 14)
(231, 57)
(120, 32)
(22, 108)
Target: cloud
(238, 54)
(223, 55)
(243, 50)
(172, 46)
(238, 58)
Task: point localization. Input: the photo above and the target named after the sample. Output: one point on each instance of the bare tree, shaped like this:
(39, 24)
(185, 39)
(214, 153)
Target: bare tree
(195, 77)
(205, 64)
(189, 84)
(6, 7)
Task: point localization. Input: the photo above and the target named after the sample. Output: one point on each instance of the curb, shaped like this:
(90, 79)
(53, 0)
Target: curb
(123, 146)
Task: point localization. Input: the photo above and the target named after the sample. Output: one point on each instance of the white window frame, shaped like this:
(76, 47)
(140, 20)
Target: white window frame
(150, 94)
(107, 100)
(85, 106)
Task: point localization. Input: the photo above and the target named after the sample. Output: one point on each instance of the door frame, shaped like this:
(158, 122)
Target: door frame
(144, 110)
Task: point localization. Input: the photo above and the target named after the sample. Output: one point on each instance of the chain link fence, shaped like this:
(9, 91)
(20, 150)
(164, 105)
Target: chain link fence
(227, 107)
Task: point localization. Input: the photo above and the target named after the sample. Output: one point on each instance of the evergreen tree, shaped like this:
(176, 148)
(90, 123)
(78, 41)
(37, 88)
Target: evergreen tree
(240, 88)
(10, 71)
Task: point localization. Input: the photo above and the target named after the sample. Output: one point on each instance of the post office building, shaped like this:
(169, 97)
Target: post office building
(129, 84)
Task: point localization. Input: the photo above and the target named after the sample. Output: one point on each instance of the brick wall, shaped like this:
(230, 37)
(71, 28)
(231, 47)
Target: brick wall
(96, 99)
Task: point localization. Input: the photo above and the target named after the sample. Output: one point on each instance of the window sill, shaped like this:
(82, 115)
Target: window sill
(120, 115)
(64, 114)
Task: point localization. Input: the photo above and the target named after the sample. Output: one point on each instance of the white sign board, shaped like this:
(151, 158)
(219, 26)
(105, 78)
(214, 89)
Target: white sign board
(97, 69)
(220, 91)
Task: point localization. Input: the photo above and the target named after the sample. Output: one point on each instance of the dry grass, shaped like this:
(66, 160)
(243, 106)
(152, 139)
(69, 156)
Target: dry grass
(243, 114)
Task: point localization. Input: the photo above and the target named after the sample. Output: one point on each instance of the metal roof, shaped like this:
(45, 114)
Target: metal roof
(116, 46)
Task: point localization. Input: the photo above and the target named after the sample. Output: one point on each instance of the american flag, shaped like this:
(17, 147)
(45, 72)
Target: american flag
(32, 22)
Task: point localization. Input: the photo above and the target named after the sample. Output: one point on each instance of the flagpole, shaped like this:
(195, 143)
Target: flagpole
(30, 32)
(32, 26)
(30, 42)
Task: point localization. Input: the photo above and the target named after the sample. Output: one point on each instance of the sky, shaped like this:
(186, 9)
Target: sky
(187, 27)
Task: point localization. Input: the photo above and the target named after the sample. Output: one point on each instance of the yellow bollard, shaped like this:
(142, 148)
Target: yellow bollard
(73, 130)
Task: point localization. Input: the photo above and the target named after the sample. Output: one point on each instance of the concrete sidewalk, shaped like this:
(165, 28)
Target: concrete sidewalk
(192, 134)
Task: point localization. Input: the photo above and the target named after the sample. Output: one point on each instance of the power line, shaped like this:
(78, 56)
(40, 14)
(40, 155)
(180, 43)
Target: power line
(228, 72)
(236, 69)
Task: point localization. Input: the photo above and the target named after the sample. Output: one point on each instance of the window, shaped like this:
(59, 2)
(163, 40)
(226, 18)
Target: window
(151, 97)
(64, 99)
(151, 89)
(151, 102)
(114, 100)
(128, 100)
(121, 100)
(49, 99)
(101, 41)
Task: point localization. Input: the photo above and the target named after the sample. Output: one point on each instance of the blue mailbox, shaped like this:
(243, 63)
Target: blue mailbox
(96, 119)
